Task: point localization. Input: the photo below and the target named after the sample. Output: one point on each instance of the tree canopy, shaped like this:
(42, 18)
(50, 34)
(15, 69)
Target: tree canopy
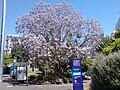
(115, 44)
(8, 60)
(58, 26)
(54, 34)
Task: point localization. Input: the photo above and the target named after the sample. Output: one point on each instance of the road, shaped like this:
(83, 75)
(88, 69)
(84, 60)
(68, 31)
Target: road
(6, 86)
(9, 86)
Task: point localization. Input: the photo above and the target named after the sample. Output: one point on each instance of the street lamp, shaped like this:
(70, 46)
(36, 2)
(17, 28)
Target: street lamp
(2, 39)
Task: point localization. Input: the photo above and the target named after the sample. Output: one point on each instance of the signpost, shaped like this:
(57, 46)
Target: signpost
(2, 39)
(77, 74)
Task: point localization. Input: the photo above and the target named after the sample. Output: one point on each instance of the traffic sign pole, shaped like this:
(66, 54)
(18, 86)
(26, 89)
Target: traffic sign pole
(2, 39)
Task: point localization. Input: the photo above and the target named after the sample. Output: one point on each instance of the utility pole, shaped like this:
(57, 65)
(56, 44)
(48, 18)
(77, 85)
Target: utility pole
(2, 39)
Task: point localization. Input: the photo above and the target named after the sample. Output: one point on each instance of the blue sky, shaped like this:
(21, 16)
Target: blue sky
(105, 11)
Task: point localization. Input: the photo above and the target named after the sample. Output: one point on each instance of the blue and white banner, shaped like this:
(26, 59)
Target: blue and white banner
(77, 74)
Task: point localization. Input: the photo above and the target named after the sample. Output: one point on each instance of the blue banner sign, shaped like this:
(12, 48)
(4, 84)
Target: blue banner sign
(77, 74)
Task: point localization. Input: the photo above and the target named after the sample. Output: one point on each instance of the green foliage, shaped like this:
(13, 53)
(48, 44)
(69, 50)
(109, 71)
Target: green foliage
(18, 50)
(106, 41)
(106, 72)
(86, 65)
(115, 46)
(117, 34)
(6, 70)
(32, 76)
(8, 60)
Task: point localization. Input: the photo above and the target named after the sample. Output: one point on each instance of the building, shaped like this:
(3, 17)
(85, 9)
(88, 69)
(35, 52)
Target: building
(11, 39)
(118, 24)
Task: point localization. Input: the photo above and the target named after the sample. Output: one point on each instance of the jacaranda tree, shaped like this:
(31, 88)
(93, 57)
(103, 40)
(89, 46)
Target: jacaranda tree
(57, 33)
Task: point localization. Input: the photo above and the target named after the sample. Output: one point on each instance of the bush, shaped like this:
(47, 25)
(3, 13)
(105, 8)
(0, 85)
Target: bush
(6, 70)
(106, 72)
(86, 65)
(32, 76)
(117, 33)
(115, 46)
(65, 80)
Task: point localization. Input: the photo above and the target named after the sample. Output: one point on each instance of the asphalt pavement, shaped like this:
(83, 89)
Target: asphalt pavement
(10, 86)
(6, 86)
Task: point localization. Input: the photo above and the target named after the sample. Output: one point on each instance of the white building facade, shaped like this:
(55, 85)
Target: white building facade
(11, 39)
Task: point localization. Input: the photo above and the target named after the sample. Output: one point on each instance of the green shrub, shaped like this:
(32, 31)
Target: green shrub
(65, 80)
(8, 60)
(86, 65)
(117, 33)
(32, 76)
(106, 72)
(6, 70)
(115, 46)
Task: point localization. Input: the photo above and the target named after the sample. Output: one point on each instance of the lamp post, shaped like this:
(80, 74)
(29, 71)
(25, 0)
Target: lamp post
(2, 39)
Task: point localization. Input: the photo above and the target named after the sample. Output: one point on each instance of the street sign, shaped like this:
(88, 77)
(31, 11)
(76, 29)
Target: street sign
(77, 74)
